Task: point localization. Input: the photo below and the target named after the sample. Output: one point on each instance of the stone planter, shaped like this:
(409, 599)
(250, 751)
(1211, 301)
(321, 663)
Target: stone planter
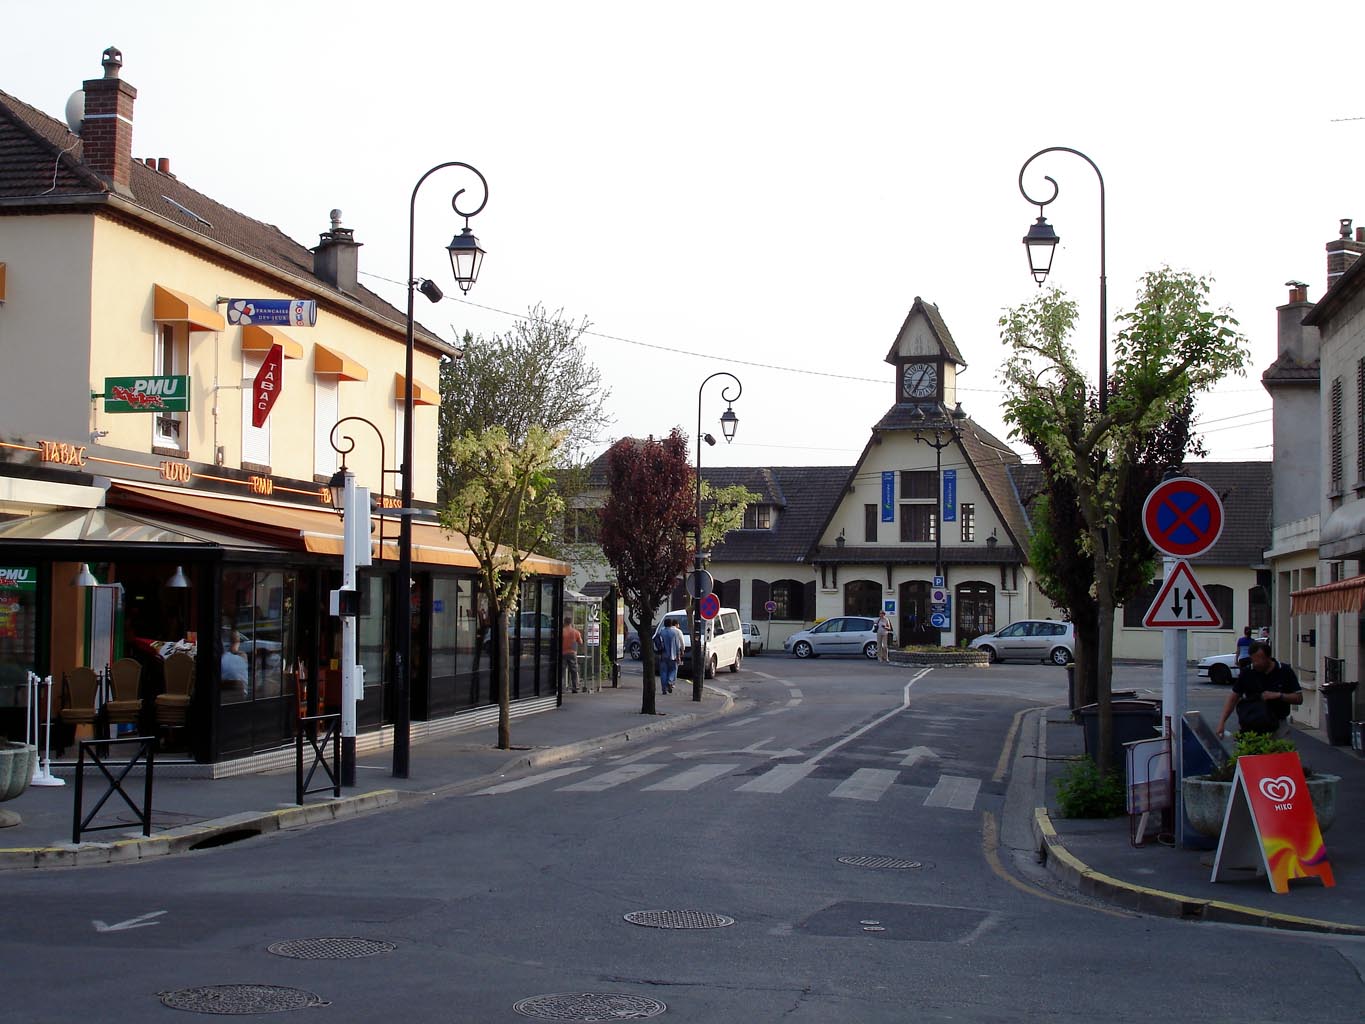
(17, 761)
(945, 657)
(1206, 801)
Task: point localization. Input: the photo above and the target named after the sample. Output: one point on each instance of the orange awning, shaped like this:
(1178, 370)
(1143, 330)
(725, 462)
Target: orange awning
(171, 306)
(300, 527)
(258, 340)
(329, 360)
(422, 394)
(1329, 598)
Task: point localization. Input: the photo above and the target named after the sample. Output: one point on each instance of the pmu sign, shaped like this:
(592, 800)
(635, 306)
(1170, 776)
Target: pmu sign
(1183, 517)
(266, 386)
(146, 394)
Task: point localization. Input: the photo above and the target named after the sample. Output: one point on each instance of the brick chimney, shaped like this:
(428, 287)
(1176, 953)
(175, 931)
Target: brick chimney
(1343, 251)
(107, 130)
(337, 258)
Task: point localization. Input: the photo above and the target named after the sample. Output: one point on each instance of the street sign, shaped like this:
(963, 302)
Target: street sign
(938, 582)
(1270, 823)
(147, 394)
(1183, 517)
(1182, 603)
(770, 607)
(699, 584)
(276, 312)
(709, 607)
(938, 620)
(889, 605)
(266, 386)
(939, 595)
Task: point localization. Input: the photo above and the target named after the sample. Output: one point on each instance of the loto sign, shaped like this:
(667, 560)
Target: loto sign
(266, 386)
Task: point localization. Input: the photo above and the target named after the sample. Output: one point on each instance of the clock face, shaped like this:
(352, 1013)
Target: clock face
(921, 380)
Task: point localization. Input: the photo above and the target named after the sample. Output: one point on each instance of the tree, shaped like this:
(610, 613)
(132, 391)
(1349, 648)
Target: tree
(1097, 468)
(504, 509)
(647, 524)
(534, 375)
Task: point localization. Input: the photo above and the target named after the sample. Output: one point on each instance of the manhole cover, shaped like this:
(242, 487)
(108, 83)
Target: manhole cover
(604, 1006)
(330, 948)
(898, 863)
(678, 919)
(240, 999)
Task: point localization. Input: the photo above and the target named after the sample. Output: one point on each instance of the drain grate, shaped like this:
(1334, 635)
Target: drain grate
(894, 863)
(678, 919)
(590, 1006)
(331, 948)
(240, 999)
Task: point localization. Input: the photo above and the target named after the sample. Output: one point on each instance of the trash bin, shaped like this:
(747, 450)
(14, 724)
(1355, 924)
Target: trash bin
(1340, 698)
(1133, 720)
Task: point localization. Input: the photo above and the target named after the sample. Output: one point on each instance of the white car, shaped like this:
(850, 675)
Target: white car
(724, 643)
(1030, 640)
(1222, 669)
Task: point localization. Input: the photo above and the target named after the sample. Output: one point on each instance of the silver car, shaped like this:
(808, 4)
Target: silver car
(1030, 640)
(847, 634)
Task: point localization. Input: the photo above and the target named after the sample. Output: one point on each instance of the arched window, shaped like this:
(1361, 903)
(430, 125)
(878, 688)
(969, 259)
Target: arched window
(1221, 597)
(1258, 608)
(913, 610)
(794, 600)
(862, 597)
(975, 610)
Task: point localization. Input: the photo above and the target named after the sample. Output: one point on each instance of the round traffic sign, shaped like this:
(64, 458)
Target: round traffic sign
(770, 607)
(938, 595)
(1183, 517)
(699, 584)
(709, 607)
(938, 620)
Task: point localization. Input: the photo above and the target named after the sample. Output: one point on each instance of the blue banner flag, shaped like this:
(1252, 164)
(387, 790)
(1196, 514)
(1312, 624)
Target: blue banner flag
(949, 495)
(889, 496)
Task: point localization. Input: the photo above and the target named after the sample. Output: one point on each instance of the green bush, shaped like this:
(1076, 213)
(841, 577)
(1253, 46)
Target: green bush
(1250, 744)
(1084, 792)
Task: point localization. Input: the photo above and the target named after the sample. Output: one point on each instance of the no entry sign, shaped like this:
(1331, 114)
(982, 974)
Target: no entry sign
(1183, 517)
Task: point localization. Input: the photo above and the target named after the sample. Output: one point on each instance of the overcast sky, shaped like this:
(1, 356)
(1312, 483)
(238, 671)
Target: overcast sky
(761, 188)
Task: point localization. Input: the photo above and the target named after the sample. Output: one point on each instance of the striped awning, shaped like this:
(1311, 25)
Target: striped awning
(1330, 598)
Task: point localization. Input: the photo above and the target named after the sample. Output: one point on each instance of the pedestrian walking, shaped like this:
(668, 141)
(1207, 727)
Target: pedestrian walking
(570, 640)
(670, 652)
(1262, 695)
(884, 637)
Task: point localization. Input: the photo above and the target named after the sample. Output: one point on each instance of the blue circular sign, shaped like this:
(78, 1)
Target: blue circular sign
(709, 606)
(1182, 517)
(938, 621)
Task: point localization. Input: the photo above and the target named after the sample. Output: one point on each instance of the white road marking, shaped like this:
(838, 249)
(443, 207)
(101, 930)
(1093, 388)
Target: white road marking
(792, 703)
(865, 784)
(742, 721)
(794, 691)
(914, 755)
(955, 792)
(615, 777)
(777, 779)
(530, 780)
(905, 703)
(753, 748)
(693, 777)
(141, 921)
(641, 755)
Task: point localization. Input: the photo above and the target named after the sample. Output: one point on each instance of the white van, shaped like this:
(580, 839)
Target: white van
(724, 641)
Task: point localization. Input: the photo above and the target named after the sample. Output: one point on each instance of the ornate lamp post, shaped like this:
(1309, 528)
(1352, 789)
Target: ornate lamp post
(728, 422)
(465, 259)
(1041, 241)
(939, 434)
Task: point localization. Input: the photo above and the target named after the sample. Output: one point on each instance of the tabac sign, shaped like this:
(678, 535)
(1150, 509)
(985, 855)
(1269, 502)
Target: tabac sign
(146, 394)
(266, 386)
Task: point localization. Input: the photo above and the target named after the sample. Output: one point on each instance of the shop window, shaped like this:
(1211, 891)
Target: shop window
(862, 597)
(257, 636)
(171, 358)
(919, 524)
(967, 513)
(975, 606)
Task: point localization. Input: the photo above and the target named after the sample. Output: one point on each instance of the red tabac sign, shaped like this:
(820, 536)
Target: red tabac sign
(266, 386)
(1269, 824)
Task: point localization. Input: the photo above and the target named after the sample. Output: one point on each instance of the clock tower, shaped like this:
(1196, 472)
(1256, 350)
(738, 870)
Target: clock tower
(926, 358)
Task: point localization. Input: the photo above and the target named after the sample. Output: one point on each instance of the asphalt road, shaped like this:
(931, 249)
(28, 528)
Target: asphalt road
(519, 890)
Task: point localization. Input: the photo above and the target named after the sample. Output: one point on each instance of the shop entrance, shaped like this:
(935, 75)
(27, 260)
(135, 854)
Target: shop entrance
(258, 693)
(914, 627)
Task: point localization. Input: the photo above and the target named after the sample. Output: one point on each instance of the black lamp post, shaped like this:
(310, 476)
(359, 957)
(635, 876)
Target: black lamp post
(945, 433)
(728, 422)
(465, 259)
(1041, 241)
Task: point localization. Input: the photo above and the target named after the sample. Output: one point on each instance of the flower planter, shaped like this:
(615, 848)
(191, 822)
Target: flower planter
(17, 761)
(1206, 801)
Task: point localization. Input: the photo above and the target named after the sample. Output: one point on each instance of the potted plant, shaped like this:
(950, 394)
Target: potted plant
(1206, 796)
(17, 761)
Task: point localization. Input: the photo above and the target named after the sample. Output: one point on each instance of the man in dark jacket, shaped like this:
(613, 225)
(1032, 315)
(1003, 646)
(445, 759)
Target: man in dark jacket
(1262, 695)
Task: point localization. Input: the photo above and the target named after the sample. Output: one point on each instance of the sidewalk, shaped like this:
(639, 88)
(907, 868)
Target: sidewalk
(194, 813)
(1096, 856)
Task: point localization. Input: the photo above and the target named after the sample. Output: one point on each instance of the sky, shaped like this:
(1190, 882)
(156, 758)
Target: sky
(761, 188)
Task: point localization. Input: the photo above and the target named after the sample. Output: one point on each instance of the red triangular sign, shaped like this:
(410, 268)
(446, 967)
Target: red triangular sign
(1182, 603)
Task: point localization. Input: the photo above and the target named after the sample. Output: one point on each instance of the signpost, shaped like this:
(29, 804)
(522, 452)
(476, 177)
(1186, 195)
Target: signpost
(1182, 603)
(266, 386)
(1183, 517)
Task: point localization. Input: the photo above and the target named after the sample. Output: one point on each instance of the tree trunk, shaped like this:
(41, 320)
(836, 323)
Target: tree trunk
(504, 682)
(649, 660)
(1104, 665)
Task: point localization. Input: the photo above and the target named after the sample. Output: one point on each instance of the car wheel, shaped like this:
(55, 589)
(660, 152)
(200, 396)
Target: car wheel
(991, 656)
(739, 660)
(1220, 674)
(870, 650)
(1060, 656)
(802, 649)
(635, 650)
(711, 668)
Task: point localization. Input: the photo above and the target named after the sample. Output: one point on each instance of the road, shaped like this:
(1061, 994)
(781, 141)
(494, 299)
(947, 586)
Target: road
(775, 816)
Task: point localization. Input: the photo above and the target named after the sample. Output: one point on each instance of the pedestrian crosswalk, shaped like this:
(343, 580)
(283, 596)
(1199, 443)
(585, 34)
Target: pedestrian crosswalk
(869, 785)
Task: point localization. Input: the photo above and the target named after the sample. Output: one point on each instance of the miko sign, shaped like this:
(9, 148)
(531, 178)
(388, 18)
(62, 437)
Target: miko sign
(1182, 603)
(1183, 517)
(266, 386)
(709, 607)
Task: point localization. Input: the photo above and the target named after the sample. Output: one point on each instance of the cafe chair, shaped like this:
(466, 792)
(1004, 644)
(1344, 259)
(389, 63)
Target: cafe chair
(80, 697)
(124, 707)
(173, 706)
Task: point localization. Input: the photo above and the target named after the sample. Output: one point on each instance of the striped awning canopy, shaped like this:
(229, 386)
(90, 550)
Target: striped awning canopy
(1329, 598)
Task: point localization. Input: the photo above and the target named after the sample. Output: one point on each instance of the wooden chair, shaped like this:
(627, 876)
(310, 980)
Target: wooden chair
(80, 697)
(173, 706)
(125, 706)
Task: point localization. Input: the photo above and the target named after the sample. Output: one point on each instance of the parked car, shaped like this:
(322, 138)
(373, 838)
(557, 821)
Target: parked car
(1221, 669)
(633, 645)
(724, 641)
(753, 639)
(1030, 640)
(847, 634)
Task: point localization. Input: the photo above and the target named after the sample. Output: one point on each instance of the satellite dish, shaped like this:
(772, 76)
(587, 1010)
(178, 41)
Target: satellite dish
(75, 110)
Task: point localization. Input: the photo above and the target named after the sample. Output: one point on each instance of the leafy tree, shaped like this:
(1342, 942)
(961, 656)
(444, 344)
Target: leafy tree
(647, 524)
(1170, 349)
(504, 509)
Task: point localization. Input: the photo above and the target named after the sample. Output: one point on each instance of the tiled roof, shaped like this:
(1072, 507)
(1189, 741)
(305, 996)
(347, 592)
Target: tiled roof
(804, 496)
(905, 554)
(940, 329)
(1286, 369)
(41, 170)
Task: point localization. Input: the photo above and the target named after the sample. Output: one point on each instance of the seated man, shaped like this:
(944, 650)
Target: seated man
(232, 670)
(1262, 695)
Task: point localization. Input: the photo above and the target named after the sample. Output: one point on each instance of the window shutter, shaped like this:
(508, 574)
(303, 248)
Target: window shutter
(325, 406)
(759, 591)
(809, 611)
(1335, 434)
(255, 440)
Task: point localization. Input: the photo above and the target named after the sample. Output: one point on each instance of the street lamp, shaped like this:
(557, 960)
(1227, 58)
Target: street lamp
(1041, 241)
(466, 257)
(945, 433)
(728, 422)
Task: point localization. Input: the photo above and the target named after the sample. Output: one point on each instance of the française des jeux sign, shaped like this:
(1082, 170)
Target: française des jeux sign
(146, 394)
(1270, 824)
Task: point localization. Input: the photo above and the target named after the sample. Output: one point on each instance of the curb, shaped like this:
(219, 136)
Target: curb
(1064, 865)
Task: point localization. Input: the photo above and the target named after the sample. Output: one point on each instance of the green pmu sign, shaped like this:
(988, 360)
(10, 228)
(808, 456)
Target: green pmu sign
(18, 579)
(146, 394)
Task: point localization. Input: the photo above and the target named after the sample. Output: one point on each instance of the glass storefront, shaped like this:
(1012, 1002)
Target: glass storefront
(258, 669)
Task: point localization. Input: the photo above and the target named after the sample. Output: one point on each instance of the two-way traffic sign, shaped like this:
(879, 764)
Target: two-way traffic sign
(1182, 603)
